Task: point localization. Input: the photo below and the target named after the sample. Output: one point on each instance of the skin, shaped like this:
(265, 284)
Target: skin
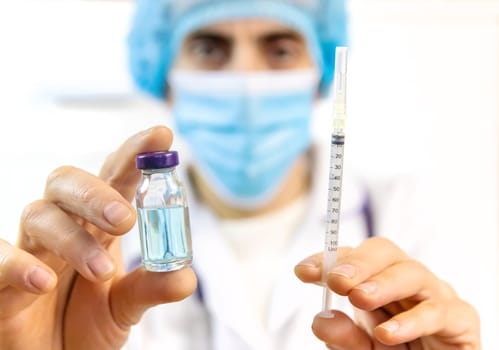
(249, 45)
(63, 286)
(400, 304)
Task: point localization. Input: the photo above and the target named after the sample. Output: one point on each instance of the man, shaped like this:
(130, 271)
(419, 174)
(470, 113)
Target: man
(242, 78)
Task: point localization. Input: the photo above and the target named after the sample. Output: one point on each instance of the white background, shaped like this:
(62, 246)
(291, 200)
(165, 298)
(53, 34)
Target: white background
(423, 99)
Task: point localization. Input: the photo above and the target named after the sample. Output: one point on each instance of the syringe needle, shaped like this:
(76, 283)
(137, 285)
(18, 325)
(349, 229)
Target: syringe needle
(340, 90)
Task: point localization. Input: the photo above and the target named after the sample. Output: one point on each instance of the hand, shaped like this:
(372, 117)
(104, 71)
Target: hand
(64, 286)
(399, 303)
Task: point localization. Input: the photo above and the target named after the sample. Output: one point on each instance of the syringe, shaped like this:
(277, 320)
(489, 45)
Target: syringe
(335, 170)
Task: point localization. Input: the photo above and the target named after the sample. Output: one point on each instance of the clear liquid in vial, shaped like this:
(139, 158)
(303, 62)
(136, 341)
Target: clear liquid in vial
(165, 238)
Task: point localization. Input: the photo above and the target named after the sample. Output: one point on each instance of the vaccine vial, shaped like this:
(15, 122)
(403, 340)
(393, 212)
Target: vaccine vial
(163, 214)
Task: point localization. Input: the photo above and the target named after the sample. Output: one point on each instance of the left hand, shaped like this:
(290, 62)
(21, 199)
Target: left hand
(399, 303)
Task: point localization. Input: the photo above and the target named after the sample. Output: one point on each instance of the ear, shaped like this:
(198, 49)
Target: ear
(168, 94)
(318, 94)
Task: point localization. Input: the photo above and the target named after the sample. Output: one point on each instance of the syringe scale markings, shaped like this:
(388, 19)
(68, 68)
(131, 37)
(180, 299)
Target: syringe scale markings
(334, 192)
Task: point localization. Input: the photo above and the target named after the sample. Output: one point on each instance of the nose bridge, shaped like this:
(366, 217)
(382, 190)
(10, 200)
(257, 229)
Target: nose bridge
(247, 55)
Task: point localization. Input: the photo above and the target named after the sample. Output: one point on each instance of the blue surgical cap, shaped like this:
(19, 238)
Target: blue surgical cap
(160, 26)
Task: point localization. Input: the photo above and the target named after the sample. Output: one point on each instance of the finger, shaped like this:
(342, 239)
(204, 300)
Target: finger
(45, 225)
(89, 197)
(338, 331)
(405, 280)
(453, 320)
(119, 169)
(131, 296)
(22, 279)
(23, 271)
(369, 320)
(363, 262)
(424, 319)
(309, 270)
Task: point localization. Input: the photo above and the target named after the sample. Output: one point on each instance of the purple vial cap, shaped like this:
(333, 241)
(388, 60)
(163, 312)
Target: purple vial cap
(156, 160)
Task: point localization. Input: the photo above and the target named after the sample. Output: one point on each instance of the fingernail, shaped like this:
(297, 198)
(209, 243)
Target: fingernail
(146, 131)
(100, 265)
(151, 129)
(332, 347)
(347, 271)
(326, 314)
(310, 262)
(390, 326)
(41, 279)
(116, 213)
(368, 287)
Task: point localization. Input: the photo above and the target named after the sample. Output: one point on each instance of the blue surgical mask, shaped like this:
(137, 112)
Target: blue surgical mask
(244, 130)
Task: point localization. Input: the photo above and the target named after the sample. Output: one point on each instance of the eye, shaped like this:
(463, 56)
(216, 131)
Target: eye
(284, 53)
(209, 53)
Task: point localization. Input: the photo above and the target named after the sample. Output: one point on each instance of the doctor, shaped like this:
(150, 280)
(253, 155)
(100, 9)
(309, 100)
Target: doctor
(242, 78)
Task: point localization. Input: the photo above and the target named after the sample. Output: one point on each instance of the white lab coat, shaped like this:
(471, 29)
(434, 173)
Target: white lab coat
(217, 318)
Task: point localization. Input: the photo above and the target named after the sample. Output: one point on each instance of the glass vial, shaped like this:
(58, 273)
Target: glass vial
(163, 214)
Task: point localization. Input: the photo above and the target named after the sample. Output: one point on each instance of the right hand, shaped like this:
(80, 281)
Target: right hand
(399, 303)
(64, 285)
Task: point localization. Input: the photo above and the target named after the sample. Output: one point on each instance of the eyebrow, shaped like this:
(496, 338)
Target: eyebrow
(284, 34)
(209, 34)
(266, 37)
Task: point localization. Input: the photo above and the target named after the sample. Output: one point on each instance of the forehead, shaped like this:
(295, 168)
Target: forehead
(255, 27)
(181, 6)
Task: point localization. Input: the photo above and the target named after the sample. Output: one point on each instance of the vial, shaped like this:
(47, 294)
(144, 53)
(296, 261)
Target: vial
(163, 214)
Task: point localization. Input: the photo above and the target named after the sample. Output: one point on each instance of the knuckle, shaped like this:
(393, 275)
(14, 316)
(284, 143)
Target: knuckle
(59, 173)
(385, 242)
(82, 190)
(90, 199)
(446, 289)
(86, 194)
(6, 252)
(109, 158)
(33, 212)
(417, 266)
(6, 255)
(74, 244)
(32, 218)
(108, 171)
(438, 311)
(472, 312)
(389, 247)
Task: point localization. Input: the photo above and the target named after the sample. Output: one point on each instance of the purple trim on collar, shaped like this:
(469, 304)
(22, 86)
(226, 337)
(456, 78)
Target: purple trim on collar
(367, 212)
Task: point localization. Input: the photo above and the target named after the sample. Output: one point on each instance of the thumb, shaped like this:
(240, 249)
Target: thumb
(136, 292)
(119, 168)
(338, 331)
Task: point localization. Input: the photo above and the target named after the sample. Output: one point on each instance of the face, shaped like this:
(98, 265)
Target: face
(244, 45)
